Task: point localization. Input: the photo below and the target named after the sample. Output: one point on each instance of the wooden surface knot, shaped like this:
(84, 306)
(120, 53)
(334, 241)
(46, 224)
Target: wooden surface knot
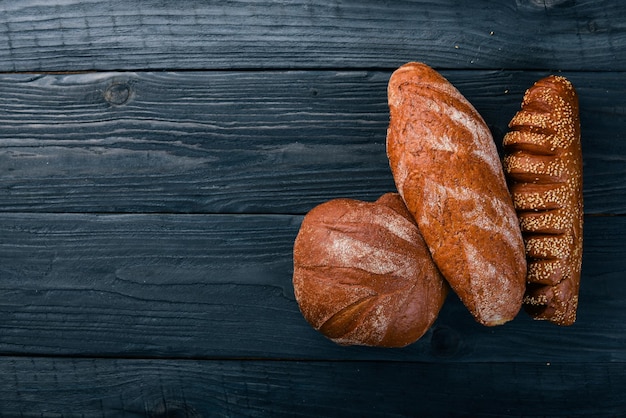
(118, 93)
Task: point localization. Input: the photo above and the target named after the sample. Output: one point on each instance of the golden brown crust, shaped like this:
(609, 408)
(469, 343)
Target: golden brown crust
(447, 169)
(363, 275)
(543, 163)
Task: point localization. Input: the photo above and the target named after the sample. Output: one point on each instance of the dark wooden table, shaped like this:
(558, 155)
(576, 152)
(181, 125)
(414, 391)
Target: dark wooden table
(156, 159)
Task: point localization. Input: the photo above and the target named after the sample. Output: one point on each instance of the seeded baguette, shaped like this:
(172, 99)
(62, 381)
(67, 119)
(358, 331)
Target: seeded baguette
(447, 169)
(543, 163)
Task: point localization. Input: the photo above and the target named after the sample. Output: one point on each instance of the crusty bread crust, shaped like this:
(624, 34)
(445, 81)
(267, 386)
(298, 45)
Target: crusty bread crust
(363, 275)
(447, 169)
(543, 162)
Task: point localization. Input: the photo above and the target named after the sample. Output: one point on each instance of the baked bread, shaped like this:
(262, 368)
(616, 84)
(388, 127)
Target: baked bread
(363, 275)
(447, 169)
(543, 162)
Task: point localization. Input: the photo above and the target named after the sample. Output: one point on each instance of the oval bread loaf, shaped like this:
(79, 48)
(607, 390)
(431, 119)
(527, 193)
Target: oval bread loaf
(448, 171)
(543, 162)
(363, 275)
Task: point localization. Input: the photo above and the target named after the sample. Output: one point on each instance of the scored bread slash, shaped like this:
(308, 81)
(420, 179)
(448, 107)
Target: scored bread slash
(545, 221)
(543, 164)
(363, 275)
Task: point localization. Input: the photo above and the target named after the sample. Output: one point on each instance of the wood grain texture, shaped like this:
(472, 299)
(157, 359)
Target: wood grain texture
(133, 34)
(191, 142)
(147, 215)
(247, 142)
(35, 387)
(198, 286)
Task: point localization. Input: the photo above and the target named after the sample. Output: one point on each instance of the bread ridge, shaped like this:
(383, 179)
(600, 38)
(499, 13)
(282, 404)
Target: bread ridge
(447, 169)
(543, 164)
(363, 274)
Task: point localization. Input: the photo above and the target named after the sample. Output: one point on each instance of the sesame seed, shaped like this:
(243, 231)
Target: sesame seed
(543, 164)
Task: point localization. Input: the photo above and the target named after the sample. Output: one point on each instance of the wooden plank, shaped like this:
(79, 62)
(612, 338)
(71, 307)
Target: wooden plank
(198, 286)
(247, 142)
(112, 35)
(191, 142)
(35, 387)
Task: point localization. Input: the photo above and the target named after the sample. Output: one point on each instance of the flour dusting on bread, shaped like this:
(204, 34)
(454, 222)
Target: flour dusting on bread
(447, 169)
(363, 274)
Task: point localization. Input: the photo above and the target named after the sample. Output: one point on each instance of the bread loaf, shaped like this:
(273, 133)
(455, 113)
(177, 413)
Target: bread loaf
(448, 171)
(363, 275)
(543, 162)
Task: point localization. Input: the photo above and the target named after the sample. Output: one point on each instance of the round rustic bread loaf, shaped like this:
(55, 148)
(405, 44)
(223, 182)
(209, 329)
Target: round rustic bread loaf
(363, 275)
(448, 171)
